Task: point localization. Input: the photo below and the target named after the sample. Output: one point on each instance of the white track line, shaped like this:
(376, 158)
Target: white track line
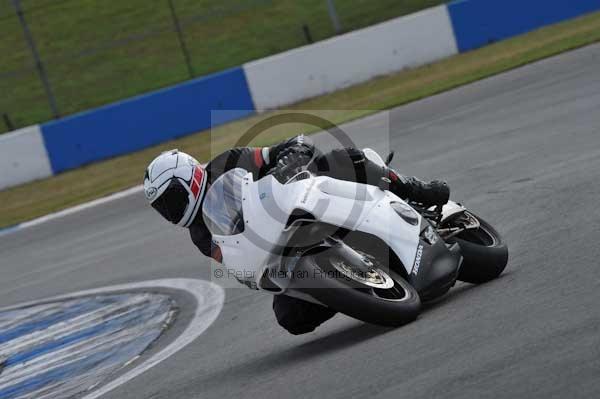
(75, 209)
(209, 302)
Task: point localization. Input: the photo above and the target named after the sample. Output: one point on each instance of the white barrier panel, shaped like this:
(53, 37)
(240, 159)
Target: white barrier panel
(23, 157)
(355, 57)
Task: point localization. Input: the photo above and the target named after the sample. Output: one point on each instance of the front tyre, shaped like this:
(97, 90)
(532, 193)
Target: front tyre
(485, 254)
(383, 305)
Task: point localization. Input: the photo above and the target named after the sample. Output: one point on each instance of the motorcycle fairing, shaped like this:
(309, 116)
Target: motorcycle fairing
(435, 267)
(267, 205)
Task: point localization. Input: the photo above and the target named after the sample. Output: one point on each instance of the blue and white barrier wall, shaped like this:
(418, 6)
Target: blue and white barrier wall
(145, 120)
(23, 157)
(477, 23)
(352, 58)
(271, 82)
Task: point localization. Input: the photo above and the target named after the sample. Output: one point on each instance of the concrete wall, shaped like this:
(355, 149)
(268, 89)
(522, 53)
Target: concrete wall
(145, 120)
(356, 57)
(477, 23)
(309, 71)
(23, 157)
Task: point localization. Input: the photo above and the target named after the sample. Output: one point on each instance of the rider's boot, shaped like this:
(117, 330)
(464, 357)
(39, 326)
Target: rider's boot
(429, 194)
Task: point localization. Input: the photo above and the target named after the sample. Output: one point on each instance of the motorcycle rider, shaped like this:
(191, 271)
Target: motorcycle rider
(175, 185)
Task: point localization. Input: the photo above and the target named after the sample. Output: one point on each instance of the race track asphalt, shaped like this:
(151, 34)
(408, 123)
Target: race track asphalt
(522, 149)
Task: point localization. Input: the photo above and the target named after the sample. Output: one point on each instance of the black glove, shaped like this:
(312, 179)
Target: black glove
(290, 163)
(296, 152)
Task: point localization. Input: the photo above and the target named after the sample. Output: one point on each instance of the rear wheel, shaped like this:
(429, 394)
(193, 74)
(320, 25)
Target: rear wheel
(376, 296)
(485, 254)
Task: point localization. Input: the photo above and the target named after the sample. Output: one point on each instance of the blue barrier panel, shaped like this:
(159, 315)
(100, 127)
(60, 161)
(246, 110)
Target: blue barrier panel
(146, 120)
(477, 23)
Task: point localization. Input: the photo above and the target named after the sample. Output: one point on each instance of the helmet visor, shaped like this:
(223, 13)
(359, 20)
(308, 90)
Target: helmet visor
(173, 202)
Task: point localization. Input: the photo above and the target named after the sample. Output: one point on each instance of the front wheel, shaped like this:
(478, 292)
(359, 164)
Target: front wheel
(378, 297)
(485, 254)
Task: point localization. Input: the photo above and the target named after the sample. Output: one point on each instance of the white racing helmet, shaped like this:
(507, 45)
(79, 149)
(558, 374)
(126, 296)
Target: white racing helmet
(174, 185)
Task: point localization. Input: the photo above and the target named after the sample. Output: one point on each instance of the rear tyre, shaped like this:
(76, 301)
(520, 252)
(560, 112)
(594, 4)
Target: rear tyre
(394, 306)
(485, 254)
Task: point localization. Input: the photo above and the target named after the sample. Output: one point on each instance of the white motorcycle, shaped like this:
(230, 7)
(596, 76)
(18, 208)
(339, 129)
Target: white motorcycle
(355, 248)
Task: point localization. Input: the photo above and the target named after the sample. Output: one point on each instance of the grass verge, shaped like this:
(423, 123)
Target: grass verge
(96, 52)
(35, 199)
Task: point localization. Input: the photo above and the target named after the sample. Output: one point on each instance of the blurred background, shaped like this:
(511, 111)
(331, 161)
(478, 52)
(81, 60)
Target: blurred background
(91, 52)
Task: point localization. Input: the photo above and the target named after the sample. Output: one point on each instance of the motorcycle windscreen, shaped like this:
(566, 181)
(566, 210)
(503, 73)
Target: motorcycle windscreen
(222, 208)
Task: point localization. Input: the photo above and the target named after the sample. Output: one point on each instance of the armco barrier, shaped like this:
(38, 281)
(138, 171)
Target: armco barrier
(352, 58)
(477, 23)
(23, 157)
(145, 120)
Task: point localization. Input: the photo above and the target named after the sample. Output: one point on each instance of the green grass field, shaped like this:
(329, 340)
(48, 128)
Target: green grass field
(77, 186)
(97, 52)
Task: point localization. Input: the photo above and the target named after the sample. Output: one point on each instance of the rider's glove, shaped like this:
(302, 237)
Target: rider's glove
(298, 154)
(291, 163)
